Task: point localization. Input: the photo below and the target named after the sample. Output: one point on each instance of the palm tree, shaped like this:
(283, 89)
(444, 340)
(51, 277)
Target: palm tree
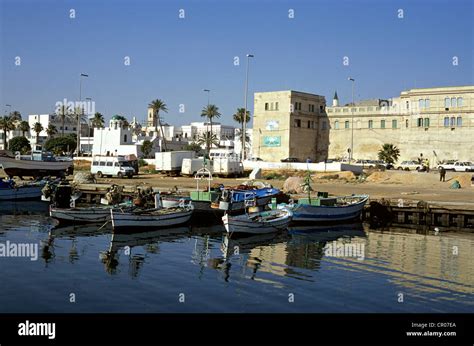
(210, 112)
(63, 113)
(98, 121)
(208, 139)
(157, 106)
(51, 130)
(7, 124)
(239, 117)
(24, 127)
(15, 115)
(37, 128)
(389, 153)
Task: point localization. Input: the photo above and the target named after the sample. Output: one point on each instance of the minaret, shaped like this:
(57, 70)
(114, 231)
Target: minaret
(335, 100)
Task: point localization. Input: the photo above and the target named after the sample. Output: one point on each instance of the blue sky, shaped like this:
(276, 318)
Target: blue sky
(175, 59)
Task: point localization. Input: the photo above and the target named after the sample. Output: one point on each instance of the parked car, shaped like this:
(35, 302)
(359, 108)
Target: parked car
(255, 159)
(465, 166)
(290, 159)
(447, 165)
(409, 166)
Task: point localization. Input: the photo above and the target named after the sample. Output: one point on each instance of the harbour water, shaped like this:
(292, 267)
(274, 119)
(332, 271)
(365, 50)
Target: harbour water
(345, 268)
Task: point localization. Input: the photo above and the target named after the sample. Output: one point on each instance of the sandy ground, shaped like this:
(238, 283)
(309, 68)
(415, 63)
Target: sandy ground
(409, 186)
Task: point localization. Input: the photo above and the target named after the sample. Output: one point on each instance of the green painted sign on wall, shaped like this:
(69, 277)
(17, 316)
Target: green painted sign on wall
(272, 141)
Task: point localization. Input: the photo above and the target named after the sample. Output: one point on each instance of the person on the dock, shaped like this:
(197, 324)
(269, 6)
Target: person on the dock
(442, 174)
(427, 165)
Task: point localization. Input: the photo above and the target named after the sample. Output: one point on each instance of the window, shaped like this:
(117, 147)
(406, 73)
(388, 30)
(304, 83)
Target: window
(309, 124)
(297, 106)
(382, 124)
(394, 124)
(266, 106)
(460, 101)
(459, 121)
(420, 122)
(427, 103)
(346, 124)
(446, 121)
(336, 125)
(447, 102)
(102, 163)
(453, 102)
(321, 109)
(427, 122)
(116, 164)
(324, 125)
(276, 106)
(421, 103)
(309, 108)
(407, 103)
(297, 123)
(406, 123)
(371, 124)
(125, 138)
(453, 122)
(95, 163)
(109, 164)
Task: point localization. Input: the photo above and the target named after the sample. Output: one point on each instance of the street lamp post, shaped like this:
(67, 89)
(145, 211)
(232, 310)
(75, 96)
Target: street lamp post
(351, 156)
(244, 135)
(207, 123)
(208, 95)
(79, 114)
(10, 107)
(89, 127)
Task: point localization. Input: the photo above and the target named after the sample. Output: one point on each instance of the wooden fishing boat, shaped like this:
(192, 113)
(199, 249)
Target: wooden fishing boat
(258, 223)
(84, 214)
(10, 191)
(157, 218)
(34, 165)
(328, 209)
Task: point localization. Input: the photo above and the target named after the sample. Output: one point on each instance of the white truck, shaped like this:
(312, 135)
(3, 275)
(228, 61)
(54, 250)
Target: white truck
(112, 166)
(170, 162)
(227, 167)
(191, 166)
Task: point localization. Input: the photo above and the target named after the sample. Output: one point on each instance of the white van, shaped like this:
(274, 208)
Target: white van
(113, 166)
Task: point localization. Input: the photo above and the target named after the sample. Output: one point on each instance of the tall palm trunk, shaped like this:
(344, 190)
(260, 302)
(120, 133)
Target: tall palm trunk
(5, 143)
(162, 131)
(63, 120)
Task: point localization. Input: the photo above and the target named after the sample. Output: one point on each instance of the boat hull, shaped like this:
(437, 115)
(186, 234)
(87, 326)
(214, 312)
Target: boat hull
(133, 221)
(22, 192)
(310, 213)
(83, 215)
(14, 167)
(244, 224)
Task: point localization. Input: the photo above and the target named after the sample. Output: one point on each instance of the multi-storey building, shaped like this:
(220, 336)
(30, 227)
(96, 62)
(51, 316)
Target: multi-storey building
(290, 124)
(435, 122)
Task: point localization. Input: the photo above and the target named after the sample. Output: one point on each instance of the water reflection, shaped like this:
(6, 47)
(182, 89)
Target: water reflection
(128, 242)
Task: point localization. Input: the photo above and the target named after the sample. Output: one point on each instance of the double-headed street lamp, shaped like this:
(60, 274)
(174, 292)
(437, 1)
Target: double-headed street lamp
(208, 95)
(79, 115)
(352, 125)
(244, 134)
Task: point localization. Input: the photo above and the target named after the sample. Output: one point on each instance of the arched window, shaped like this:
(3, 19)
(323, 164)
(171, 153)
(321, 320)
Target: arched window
(453, 121)
(336, 125)
(125, 138)
(371, 124)
(459, 121)
(460, 101)
(446, 121)
(346, 124)
(447, 102)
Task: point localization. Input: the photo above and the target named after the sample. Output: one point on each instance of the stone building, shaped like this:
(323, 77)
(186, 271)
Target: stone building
(436, 122)
(290, 124)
